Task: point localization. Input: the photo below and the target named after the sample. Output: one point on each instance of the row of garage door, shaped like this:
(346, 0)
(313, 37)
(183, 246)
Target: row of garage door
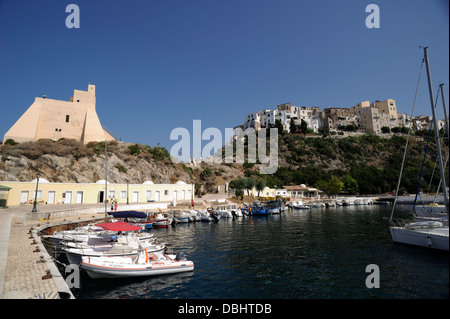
(51, 197)
(26, 197)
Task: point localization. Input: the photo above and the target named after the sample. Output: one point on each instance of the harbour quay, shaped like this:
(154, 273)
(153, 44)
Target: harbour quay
(27, 271)
(409, 200)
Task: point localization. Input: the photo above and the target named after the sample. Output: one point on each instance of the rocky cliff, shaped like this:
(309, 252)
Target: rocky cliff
(71, 161)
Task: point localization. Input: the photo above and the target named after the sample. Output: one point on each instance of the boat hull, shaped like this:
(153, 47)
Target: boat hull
(75, 255)
(432, 239)
(274, 210)
(104, 269)
(181, 220)
(164, 223)
(301, 207)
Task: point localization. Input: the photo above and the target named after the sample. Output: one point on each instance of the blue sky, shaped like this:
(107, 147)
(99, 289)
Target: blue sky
(158, 65)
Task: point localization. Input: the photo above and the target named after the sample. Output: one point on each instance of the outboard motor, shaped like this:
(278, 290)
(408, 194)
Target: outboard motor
(181, 256)
(215, 216)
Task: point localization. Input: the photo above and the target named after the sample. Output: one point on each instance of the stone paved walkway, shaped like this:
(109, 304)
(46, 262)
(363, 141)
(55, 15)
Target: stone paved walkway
(21, 272)
(24, 271)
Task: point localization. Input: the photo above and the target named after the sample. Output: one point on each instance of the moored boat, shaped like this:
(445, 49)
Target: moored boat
(182, 217)
(162, 221)
(144, 264)
(299, 205)
(428, 234)
(79, 234)
(134, 217)
(122, 244)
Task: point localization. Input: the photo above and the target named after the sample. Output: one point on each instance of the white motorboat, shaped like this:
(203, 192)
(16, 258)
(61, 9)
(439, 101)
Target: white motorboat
(121, 245)
(206, 217)
(315, 205)
(96, 236)
(79, 234)
(299, 205)
(75, 252)
(223, 213)
(145, 264)
(194, 215)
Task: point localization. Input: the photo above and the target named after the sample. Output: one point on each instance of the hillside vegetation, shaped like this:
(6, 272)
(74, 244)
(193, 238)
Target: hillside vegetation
(365, 164)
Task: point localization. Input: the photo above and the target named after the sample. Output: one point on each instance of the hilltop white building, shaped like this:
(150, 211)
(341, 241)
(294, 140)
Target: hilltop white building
(284, 112)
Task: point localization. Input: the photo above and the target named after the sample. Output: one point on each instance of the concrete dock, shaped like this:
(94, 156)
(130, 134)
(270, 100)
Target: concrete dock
(27, 271)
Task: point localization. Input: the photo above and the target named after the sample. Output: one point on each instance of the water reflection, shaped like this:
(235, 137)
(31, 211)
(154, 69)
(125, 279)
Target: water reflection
(321, 253)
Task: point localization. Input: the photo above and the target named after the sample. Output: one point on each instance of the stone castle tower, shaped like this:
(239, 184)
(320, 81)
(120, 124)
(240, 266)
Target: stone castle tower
(54, 119)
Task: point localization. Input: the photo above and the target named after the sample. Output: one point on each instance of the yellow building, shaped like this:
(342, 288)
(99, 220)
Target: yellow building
(372, 117)
(54, 119)
(4, 192)
(93, 193)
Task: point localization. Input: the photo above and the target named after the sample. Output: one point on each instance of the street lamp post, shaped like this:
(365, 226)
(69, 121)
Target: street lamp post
(34, 210)
(127, 192)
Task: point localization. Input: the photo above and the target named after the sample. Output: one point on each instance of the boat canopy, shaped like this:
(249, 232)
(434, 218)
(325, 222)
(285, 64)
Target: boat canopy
(118, 226)
(129, 214)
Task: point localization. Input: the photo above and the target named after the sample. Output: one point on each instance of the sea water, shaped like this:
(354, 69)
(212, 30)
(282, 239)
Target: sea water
(320, 253)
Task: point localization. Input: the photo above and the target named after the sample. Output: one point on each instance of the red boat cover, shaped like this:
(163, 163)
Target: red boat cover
(118, 226)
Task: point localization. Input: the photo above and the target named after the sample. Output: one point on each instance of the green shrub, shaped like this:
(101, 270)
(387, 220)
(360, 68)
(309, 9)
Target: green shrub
(134, 149)
(121, 168)
(10, 141)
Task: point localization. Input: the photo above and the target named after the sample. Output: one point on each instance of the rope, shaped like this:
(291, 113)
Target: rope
(59, 262)
(407, 140)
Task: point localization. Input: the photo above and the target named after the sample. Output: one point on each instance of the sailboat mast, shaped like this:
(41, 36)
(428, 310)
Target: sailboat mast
(445, 109)
(438, 146)
(106, 180)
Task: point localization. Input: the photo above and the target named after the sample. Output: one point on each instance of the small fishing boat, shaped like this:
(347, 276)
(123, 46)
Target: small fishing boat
(134, 217)
(162, 221)
(256, 210)
(144, 264)
(273, 207)
(299, 205)
(181, 217)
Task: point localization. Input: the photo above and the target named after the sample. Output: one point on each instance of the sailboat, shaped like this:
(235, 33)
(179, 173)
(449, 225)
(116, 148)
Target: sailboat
(429, 234)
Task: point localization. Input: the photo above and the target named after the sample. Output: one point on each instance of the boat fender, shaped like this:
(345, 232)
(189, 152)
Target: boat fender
(429, 241)
(181, 256)
(146, 255)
